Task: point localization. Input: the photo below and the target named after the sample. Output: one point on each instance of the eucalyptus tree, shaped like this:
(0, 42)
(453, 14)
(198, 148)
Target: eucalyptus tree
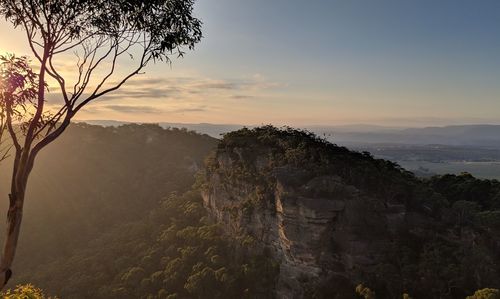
(107, 36)
(18, 87)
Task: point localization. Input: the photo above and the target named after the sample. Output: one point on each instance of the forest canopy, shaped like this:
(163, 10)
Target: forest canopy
(155, 239)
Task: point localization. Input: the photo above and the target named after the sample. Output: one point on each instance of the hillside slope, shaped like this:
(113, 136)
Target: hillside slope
(93, 179)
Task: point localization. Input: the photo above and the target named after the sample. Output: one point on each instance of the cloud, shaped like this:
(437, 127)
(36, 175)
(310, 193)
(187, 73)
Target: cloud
(184, 110)
(133, 109)
(150, 93)
(175, 89)
(54, 97)
(179, 98)
(242, 97)
(215, 85)
(179, 88)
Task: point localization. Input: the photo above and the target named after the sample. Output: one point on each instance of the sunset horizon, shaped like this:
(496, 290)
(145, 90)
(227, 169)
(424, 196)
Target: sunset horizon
(439, 65)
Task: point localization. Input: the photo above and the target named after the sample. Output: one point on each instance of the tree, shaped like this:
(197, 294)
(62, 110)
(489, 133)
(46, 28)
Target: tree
(100, 33)
(364, 292)
(463, 214)
(485, 294)
(25, 292)
(18, 87)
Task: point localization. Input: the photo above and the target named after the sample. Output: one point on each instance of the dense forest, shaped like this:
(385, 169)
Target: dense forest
(120, 216)
(95, 178)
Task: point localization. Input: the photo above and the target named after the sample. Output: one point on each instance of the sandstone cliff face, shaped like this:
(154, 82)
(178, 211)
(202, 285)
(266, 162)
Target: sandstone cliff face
(335, 218)
(319, 228)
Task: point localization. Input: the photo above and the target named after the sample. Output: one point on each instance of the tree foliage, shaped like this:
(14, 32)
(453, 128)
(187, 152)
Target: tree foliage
(174, 252)
(485, 294)
(365, 292)
(18, 87)
(27, 291)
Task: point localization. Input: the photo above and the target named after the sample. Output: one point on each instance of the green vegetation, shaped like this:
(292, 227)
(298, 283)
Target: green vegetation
(465, 187)
(304, 150)
(27, 291)
(117, 236)
(367, 293)
(122, 174)
(484, 170)
(486, 294)
(175, 252)
(455, 255)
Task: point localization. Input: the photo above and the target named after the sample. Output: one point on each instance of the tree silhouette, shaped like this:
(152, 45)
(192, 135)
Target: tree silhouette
(101, 33)
(18, 87)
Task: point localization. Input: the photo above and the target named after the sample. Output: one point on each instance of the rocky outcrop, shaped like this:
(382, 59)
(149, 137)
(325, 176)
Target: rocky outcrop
(318, 227)
(331, 217)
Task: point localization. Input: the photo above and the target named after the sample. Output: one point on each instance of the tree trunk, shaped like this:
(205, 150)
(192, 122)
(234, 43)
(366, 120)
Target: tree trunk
(14, 218)
(23, 164)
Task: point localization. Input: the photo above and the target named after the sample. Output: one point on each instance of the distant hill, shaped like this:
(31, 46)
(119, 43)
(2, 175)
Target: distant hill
(213, 130)
(459, 135)
(466, 135)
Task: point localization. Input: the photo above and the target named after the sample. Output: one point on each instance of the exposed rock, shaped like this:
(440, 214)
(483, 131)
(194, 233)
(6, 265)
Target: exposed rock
(331, 221)
(317, 228)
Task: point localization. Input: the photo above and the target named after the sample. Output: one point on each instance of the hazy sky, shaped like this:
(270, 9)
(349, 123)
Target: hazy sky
(399, 62)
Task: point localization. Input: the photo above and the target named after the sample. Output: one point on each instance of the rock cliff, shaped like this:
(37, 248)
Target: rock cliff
(332, 218)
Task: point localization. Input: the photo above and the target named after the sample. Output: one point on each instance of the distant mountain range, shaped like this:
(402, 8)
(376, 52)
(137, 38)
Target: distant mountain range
(214, 130)
(457, 135)
(464, 135)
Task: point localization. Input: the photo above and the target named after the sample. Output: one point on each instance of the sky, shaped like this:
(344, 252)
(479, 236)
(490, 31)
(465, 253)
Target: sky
(321, 62)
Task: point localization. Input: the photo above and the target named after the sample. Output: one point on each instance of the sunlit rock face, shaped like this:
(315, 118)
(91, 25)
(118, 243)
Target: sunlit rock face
(325, 232)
